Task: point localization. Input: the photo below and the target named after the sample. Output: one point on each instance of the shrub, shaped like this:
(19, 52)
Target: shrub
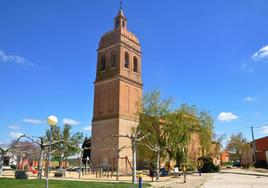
(230, 163)
(208, 166)
(13, 167)
(191, 166)
(216, 168)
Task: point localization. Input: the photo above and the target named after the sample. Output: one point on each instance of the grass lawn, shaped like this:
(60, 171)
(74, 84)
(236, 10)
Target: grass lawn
(13, 183)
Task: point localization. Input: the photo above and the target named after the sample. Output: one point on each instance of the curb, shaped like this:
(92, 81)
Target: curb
(249, 174)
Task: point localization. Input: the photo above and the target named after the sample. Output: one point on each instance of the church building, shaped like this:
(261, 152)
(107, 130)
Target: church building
(118, 90)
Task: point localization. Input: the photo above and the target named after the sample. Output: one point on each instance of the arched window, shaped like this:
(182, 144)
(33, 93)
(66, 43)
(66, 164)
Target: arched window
(135, 64)
(117, 24)
(126, 65)
(123, 23)
(103, 63)
(113, 60)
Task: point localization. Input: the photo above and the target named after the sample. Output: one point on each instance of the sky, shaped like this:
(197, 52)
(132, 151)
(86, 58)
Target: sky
(209, 53)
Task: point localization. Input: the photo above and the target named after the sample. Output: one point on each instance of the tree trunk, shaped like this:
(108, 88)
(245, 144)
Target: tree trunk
(60, 162)
(134, 149)
(40, 165)
(65, 165)
(158, 165)
(1, 163)
(117, 168)
(85, 167)
(80, 164)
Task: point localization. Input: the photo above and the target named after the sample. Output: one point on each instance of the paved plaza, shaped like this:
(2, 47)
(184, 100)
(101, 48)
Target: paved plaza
(228, 178)
(236, 181)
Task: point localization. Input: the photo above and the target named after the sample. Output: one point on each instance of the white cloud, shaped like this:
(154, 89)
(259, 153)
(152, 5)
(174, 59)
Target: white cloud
(261, 54)
(264, 129)
(14, 127)
(248, 99)
(227, 117)
(15, 134)
(14, 59)
(70, 121)
(88, 128)
(33, 121)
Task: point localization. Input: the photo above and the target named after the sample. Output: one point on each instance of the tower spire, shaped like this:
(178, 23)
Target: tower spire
(120, 20)
(121, 3)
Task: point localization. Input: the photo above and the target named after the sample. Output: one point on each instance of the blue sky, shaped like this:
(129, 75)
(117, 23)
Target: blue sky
(211, 53)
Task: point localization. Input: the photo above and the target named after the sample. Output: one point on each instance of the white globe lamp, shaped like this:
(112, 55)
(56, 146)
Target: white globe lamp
(52, 120)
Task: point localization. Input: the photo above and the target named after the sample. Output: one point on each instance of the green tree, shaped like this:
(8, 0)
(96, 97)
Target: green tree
(56, 147)
(206, 131)
(180, 125)
(169, 130)
(236, 144)
(65, 143)
(152, 121)
(71, 142)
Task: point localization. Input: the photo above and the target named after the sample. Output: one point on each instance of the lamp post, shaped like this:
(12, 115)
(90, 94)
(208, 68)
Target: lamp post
(52, 121)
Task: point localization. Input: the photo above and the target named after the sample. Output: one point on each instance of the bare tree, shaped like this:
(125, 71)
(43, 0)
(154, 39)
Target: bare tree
(42, 143)
(4, 150)
(135, 138)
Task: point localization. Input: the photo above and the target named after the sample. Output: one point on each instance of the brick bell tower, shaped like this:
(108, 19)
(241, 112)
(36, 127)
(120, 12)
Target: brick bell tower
(118, 91)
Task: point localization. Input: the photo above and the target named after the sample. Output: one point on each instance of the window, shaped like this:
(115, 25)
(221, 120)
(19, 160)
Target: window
(135, 64)
(103, 63)
(126, 65)
(123, 23)
(113, 60)
(117, 24)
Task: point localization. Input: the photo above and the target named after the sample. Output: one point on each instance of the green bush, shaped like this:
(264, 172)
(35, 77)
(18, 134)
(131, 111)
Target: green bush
(191, 166)
(230, 163)
(13, 167)
(216, 168)
(209, 166)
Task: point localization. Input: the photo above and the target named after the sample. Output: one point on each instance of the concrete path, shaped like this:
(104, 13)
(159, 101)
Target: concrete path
(224, 180)
(250, 171)
(227, 178)
(192, 181)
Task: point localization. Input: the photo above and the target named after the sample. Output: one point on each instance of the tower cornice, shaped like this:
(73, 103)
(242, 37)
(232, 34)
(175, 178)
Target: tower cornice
(119, 78)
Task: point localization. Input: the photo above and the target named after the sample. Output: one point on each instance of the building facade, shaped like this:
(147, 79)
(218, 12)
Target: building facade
(256, 153)
(260, 155)
(118, 90)
(262, 150)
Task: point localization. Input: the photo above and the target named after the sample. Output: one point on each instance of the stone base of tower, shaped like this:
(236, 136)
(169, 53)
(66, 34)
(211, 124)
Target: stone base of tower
(104, 152)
